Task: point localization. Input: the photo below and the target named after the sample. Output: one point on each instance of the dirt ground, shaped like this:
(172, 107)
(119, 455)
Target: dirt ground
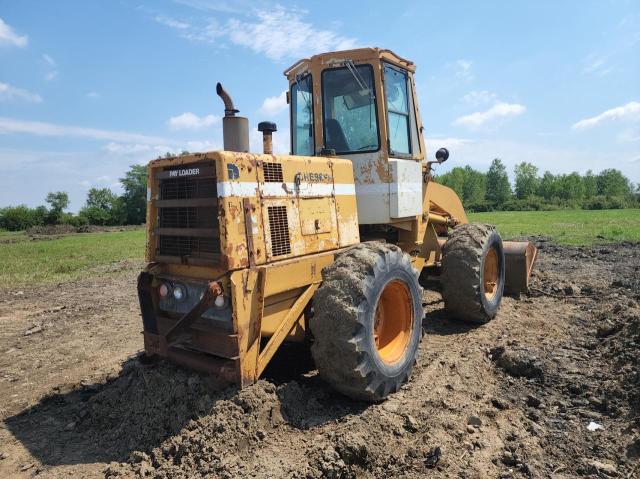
(550, 388)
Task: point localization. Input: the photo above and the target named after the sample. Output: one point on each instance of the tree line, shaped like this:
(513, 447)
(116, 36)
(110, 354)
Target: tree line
(102, 206)
(479, 191)
(492, 190)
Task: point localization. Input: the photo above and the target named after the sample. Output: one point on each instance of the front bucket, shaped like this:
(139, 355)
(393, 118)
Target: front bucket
(519, 259)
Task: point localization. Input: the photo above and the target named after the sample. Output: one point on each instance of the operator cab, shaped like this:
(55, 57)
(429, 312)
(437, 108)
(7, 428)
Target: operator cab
(361, 105)
(334, 105)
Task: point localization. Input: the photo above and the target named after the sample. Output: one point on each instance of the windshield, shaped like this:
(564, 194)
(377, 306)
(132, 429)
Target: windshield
(349, 110)
(302, 117)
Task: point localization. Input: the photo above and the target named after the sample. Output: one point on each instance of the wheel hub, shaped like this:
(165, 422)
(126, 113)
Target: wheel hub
(393, 322)
(491, 274)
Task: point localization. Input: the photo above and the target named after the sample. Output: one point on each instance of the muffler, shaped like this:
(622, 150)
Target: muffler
(235, 129)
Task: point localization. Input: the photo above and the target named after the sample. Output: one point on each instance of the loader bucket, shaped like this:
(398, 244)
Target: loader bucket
(519, 259)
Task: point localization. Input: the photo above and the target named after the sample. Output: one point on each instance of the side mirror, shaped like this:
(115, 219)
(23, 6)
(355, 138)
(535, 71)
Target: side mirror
(442, 155)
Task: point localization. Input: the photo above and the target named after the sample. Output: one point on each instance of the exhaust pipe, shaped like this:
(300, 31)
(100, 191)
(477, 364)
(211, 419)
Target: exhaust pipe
(229, 109)
(235, 129)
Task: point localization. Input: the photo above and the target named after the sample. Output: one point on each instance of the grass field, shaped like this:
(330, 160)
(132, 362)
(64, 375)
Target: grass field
(25, 261)
(569, 227)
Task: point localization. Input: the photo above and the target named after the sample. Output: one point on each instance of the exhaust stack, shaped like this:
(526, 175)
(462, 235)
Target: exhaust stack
(235, 129)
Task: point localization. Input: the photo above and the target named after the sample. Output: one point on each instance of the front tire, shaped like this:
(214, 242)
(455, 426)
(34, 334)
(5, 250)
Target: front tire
(473, 273)
(368, 321)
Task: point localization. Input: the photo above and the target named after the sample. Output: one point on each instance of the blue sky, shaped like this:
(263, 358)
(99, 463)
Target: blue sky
(90, 87)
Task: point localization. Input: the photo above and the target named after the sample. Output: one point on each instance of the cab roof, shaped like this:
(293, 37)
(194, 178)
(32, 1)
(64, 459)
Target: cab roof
(358, 55)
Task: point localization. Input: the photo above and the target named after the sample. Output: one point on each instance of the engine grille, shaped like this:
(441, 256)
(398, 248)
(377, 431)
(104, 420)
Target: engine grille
(189, 246)
(188, 217)
(187, 188)
(188, 226)
(279, 228)
(272, 172)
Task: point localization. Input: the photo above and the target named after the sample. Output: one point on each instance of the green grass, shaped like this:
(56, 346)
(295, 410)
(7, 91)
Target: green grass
(6, 236)
(24, 261)
(59, 259)
(568, 227)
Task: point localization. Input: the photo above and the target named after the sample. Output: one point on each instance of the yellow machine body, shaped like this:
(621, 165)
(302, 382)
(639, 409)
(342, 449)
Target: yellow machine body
(236, 241)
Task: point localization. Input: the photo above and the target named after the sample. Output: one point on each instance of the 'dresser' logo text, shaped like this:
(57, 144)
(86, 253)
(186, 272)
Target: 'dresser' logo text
(185, 172)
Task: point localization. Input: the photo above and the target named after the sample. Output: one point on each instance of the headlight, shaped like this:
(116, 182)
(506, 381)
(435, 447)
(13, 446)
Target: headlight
(219, 301)
(179, 292)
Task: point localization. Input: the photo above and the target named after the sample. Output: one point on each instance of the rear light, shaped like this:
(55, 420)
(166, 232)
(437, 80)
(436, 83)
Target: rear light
(163, 290)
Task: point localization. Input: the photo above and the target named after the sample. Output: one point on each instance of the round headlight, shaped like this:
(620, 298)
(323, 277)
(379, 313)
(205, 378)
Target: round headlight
(219, 301)
(178, 293)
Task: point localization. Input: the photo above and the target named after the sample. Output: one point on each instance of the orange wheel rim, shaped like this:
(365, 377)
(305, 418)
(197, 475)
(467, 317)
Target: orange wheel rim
(393, 321)
(491, 274)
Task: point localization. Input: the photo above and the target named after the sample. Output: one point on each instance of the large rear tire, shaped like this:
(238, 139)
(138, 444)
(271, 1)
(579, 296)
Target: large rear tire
(473, 273)
(367, 321)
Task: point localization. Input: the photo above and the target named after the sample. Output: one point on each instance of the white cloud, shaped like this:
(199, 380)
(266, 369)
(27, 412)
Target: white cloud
(629, 135)
(237, 6)
(48, 60)
(93, 94)
(274, 104)
(9, 37)
(8, 93)
(13, 126)
(126, 148)
(630, 111)
(202, 146)
(481, 97)
(172, 22)
(193, 146)
(435, 143)
(496, 112)
(191, 121)
(597, 65)
(464, 70)
(282, 33)
(278, 34)
(51, 65)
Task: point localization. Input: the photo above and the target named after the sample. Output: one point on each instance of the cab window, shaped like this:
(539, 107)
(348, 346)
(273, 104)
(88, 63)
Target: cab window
(349, 113)
(302, 141)
(403, 140)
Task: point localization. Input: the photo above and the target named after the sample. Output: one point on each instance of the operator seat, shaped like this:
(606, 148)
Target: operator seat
(335, 136)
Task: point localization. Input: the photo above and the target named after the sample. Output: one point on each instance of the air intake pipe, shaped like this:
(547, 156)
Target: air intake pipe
(235, 129)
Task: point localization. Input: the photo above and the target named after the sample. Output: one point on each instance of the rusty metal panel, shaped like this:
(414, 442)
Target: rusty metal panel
(315, 215)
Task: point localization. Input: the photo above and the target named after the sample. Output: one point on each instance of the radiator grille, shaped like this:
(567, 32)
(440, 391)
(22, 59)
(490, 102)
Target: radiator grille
(279, 228)
(188, 213)
(205, 248)
(272, 172)
(188, 188)
(188, 217)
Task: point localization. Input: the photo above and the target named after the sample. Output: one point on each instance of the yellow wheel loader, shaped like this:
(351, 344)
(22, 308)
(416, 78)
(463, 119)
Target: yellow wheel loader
(330, 243)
